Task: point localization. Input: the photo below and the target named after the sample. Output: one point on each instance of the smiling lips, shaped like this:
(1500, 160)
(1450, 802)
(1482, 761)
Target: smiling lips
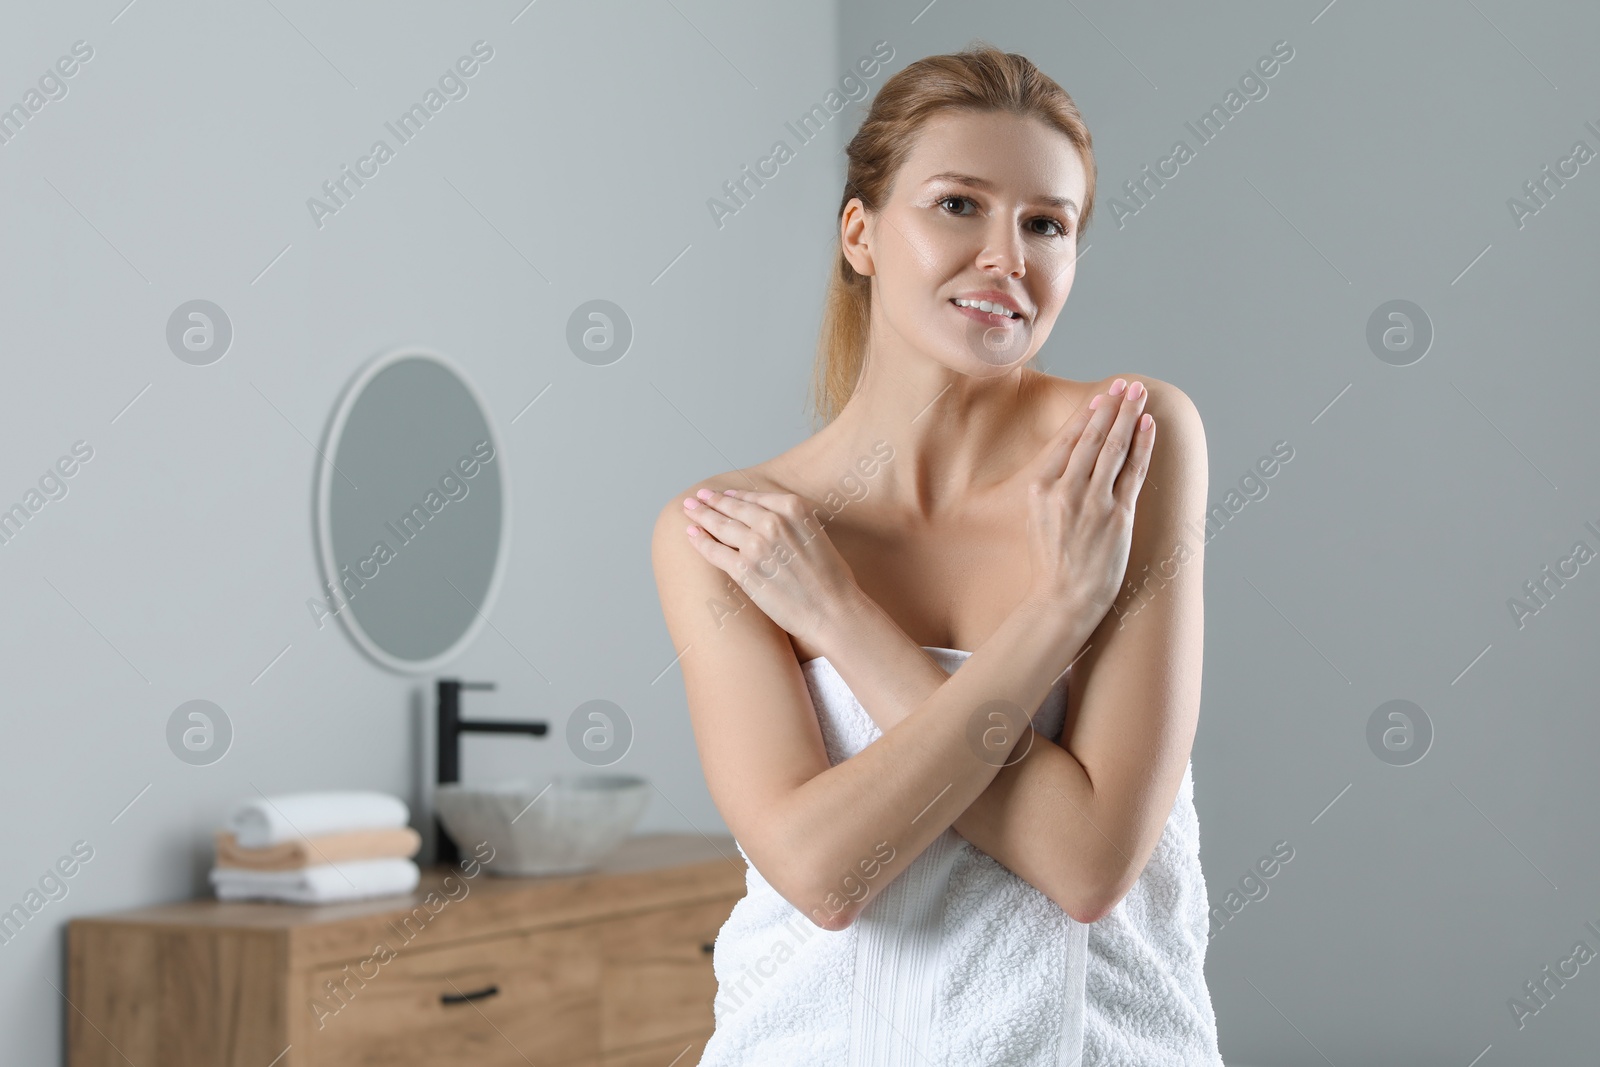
(992, 307)
(990, 313)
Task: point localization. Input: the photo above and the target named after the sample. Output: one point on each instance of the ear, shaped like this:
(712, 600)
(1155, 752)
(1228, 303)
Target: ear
(854, 237)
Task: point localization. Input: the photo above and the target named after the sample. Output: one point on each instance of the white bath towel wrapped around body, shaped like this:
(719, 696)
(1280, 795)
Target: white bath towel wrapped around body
(959, 962)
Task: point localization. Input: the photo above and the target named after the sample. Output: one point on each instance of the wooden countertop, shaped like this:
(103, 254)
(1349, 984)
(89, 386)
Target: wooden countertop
(648, 871)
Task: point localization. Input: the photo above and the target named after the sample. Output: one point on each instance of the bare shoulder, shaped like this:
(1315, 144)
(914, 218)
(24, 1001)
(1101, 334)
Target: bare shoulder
(754, 724)
(1180, 448)
(1164, 396)
(1183, 463)
(672, 521)
(698, 599)
(1178, 427)
(1172, 405)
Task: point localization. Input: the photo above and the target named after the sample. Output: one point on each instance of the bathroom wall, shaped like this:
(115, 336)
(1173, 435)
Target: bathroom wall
(175, 563)
(1378, 509)
(1377, 512)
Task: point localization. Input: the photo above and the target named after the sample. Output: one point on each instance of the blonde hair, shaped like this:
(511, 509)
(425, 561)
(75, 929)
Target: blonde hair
(978, 78)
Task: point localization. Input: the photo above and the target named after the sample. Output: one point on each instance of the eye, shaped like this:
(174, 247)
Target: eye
(1062, 229)
(962, 199)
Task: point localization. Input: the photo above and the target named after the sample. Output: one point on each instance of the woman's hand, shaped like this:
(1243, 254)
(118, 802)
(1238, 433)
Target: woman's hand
(1081, 497)
(773, 547)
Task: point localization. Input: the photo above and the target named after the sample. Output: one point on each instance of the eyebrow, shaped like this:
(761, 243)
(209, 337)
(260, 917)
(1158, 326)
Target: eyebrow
(985, 184)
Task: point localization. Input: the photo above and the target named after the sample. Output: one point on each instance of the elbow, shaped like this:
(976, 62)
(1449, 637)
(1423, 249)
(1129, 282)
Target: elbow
(1090, 912)
(1088, 908)
(1088, 894)
(796, 865)
(828, 909)
(1081, 906)
(1104, 897)
(825, 910)
(825, 905)
(834, 922)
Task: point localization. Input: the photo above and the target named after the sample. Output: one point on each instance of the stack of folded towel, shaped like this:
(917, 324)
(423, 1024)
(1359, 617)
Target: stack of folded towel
(316, 848)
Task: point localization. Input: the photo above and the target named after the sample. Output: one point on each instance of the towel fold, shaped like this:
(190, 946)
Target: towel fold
(400, 842)
(322, 884)
(272, 820)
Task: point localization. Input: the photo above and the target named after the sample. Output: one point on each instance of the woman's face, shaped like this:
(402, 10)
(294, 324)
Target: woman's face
(985, 207)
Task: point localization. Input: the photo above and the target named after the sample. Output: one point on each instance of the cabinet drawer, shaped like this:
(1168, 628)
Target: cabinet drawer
(506, 1000)
(657, 983)
(679, 1052)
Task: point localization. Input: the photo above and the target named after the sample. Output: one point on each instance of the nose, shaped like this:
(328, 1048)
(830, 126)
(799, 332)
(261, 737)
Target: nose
(1003, 250)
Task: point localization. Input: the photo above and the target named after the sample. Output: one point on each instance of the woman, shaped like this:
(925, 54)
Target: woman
(935, 874)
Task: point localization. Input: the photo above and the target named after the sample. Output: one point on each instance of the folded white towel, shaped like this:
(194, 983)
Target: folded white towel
(323, 884)
(269, 820)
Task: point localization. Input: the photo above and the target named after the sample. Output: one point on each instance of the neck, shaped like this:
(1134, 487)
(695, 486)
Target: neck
(954, 436)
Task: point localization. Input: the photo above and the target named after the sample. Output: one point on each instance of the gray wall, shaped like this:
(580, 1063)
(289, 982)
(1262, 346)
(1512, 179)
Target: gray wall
(1374, 565)
(179, 563)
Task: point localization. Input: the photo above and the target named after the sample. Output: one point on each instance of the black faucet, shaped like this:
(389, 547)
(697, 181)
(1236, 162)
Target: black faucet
(451, 727)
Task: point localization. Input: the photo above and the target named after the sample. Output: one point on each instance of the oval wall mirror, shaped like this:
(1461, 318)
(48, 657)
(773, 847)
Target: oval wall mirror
(413, 510)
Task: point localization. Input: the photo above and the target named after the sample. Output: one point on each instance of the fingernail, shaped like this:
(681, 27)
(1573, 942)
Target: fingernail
(1118, 386)
(1095, 402)
(691, 503)
(705, 494)
(1135, 391)
(729, 492)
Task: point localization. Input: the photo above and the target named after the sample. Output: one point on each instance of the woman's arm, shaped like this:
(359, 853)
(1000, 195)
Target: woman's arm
(1079, 821)
(890, 674)
(830, 837)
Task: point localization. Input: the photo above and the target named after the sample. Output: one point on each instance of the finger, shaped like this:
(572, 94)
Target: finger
(728, 530)
(1054, 456)
(1081, 465)
(752, 516)
(1108, 464)
(798, 514)
(716, 553)
(747, 506)
(1131, 480)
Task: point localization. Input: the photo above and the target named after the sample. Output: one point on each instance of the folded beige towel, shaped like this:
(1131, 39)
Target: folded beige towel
(399, 842)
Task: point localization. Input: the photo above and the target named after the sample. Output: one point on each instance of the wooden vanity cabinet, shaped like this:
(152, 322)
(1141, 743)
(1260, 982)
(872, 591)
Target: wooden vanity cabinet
(611, 968)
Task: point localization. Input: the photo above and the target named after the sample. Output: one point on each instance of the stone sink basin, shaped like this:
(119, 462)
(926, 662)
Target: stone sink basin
(564, 827)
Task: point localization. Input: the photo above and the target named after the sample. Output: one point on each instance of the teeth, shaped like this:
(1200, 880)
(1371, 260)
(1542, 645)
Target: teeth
(984, 305)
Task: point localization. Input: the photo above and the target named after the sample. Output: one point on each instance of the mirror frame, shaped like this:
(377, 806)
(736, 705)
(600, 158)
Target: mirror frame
(323, 527)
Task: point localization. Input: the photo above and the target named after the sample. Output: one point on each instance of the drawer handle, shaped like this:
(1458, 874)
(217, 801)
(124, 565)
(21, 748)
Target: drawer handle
(462, 998)
(708, 947)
